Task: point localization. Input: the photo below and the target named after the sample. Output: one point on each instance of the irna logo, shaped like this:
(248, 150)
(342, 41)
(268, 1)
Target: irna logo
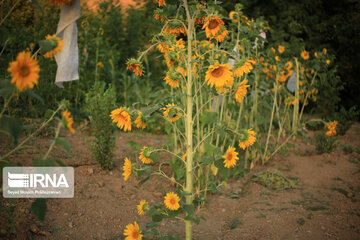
(34, 180)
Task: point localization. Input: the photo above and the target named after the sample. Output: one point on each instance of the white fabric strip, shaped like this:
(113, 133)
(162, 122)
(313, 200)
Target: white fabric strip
(68, 59)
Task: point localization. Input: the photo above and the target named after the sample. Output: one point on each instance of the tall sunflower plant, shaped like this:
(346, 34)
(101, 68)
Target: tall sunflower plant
(23, 76)
(209, 57)
(292, 78)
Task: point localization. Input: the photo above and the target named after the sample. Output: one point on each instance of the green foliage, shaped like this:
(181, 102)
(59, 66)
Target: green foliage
(10, 224)
(324, 144)
(99, 104)
(38, 208)
(345, 118)
(274, 179)
(315, 25)
(347, 148)
(300, 221)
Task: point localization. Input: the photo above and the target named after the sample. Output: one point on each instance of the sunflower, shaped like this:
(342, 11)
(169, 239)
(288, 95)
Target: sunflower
(327, 61)
(243, 68)
(139, 121)
(159, 17)
(305, 55)
(163, 47)
(57, 44)
(330, 133)
(133, 232)
(172, 201)
(160, 2)
(135, 66)
(181, 70)
(24, 71)
(122, 118)
(221, 37)
(100, 64)
(230, 157)
(233, 16)
(140, 207)
(332, 125)
(175, 30)
(247, 139)
(281, 49)
(127, 168)
(218, 74)
(241, 91)
(61, 2)
(324, 51)
(171, 80)
(212, 26)
(228, 85)
(200, 20)
(142, 157)
(171, 112)
(69, 120)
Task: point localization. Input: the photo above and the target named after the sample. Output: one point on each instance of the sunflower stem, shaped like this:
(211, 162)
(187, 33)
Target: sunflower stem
(189, 124)
(57, 132)
(6, 103)
(271, 119)
(296, 106)
(9, 12)
(33, 134)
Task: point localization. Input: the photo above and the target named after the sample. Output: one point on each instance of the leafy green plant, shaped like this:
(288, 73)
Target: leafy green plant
(346, 118)
(274, 179)
(324, 143)
(347, 148)
(99, 103)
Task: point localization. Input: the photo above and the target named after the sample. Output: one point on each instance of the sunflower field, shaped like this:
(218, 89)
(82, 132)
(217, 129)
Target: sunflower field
(179, 118)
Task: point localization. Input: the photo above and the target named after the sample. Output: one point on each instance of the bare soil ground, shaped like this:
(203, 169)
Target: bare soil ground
(325, 206)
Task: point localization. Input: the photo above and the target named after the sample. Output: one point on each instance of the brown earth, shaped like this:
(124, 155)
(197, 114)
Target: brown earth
(325, 206)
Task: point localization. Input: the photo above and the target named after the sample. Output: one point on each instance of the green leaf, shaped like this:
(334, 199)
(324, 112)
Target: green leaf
(135, 146)
(157, 217)
(32, 94)
(36, 3)
(208, 118)
(207, 159)
(41, 162)
(151, 224)
(143, 181)
(38, 208)
(46, 45)
(4, 35)
(188, 208)
(6, 91)
(63, 142)
(152, 211)
(61, 163)
(12, 126)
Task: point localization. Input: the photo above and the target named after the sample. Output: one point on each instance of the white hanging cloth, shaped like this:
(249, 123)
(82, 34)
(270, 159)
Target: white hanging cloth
(68, 59)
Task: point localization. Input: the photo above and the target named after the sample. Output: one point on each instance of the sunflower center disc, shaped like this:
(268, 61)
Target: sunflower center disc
(24, 71)
(172, 201)
(213, 24)
(229, 156)
(217, 72)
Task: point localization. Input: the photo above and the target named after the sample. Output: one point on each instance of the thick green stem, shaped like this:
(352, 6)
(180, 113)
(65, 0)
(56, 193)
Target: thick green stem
(296, 106)
(271, 119)
(97, 57)
(189, 123)
(54, 141)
